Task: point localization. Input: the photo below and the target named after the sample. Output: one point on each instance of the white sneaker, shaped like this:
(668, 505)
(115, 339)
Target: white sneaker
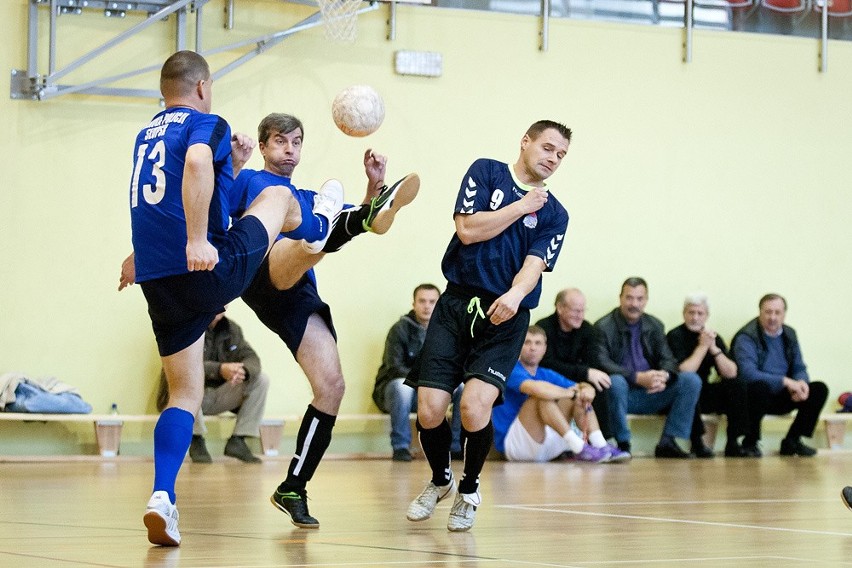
(424, 505)
(161, 519)
(464, 511)
(327, 203)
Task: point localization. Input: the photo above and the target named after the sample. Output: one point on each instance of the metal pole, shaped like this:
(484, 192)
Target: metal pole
(51, 52)
(823, 51)
(229, 15)
(392, 22)
(32, 40)
(545, 24)
(198, 29)
(687, 18)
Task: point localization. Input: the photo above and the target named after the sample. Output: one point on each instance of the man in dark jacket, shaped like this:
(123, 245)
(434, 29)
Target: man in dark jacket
(232, 382)
(571, 350)
(402, 346)
(632, 348)
(769, 358)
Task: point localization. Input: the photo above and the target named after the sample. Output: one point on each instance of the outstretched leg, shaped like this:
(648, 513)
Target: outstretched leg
(376, 215)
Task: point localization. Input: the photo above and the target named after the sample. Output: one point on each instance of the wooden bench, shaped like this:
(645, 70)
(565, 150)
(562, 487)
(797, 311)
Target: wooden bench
(834, 424)
(108, 426)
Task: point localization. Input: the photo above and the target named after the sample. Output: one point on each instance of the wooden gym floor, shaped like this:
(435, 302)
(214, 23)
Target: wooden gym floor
(774, 512)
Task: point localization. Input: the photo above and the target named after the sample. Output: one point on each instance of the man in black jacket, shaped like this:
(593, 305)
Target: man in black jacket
(632, 348)
(391, 395)
(232, 382)
(571, 350)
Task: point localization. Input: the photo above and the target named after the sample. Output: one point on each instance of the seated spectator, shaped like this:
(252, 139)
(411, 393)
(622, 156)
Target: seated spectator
(632, 348)
(232, 382)
(769, 358)
(571, 350)
(534, 421)
(701, 350)
(391, 395)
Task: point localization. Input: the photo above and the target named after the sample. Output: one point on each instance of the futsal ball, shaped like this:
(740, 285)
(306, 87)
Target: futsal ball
(358, 110)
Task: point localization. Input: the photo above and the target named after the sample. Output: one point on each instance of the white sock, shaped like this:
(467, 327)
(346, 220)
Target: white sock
(597, 440)
(575, 442)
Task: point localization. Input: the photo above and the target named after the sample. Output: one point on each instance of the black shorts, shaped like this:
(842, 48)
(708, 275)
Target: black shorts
(286, 312)
(461, 344)
(182, 306)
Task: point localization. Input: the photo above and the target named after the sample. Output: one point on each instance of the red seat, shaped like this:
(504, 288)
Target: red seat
(786, 5)
(835, 7)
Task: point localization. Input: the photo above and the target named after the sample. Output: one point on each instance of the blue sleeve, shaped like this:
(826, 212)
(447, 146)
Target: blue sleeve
(745, 354)
(475, 192)
(548, 243)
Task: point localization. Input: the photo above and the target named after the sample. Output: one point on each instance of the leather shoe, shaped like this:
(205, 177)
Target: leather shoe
(670, 450)
(401, 455)
(752, 451)
(736, 451)
(237, 448)
(701, 451)
(796, 448)
(198, 451)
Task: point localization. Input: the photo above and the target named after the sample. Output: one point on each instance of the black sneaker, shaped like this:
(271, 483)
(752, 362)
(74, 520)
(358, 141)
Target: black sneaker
(701, 451)
(846, 495)
(401, 455)
(796, 448)
(295, 504)
(670, 450)
(198, 450)
(384, 206)
(237, 448)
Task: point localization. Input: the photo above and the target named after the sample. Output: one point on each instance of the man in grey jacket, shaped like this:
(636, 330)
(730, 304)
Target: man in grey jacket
(402, 346)
(632, 348)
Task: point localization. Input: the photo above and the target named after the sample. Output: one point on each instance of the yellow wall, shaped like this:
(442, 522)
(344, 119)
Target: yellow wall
(727, 175)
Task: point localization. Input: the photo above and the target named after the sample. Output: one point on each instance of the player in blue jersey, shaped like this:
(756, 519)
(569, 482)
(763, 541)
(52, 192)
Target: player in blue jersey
(509, 229)
(285, 298)
(539, 404)
(186, 259)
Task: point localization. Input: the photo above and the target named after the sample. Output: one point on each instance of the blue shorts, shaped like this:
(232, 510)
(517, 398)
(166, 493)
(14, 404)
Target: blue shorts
(182, 306)
(286, 312)
(461, 344)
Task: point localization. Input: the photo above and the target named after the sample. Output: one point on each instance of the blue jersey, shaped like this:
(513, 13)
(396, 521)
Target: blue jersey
(492, 265)
(250, 183)
(157, 216)
(502, 416)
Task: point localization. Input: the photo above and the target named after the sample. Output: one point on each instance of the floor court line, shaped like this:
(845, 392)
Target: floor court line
(675, 521)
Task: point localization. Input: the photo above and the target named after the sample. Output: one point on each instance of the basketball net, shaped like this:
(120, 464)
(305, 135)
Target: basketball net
(340, 18)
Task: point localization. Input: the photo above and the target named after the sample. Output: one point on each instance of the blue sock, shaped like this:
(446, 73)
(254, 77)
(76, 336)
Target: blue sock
(172, 436)
(312, 228)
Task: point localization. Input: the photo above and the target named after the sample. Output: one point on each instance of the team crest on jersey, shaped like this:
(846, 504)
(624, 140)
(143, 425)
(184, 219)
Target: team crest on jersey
(531, 221)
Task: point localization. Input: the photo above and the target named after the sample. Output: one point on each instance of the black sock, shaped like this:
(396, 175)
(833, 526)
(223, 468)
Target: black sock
(436, 447)
(476, 448)
(309, 451)
(348, 225)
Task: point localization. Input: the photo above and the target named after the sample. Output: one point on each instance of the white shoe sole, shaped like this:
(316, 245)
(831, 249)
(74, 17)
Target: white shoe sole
(157, 530)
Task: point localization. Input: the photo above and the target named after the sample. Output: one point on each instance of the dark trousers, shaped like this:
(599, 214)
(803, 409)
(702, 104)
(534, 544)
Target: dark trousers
(761, 402)
(601, 406)
(728, 397)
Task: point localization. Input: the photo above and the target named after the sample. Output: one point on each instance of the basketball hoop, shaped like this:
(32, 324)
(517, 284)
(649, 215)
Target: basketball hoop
(340, 18)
